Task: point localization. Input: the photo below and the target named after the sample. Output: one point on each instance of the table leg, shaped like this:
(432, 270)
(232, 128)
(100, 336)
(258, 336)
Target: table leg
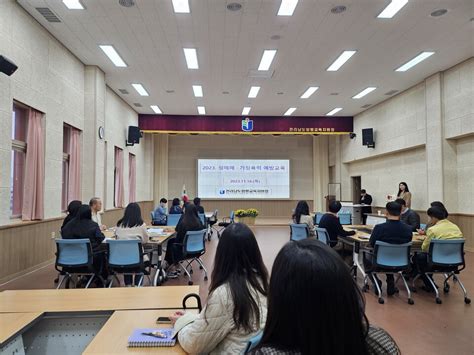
(160, 273)
(355, 257)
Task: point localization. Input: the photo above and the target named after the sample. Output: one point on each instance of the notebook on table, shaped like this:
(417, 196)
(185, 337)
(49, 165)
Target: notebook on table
(143, 338)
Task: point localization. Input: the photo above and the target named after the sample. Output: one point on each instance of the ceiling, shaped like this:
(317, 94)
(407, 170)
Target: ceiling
(150, 36)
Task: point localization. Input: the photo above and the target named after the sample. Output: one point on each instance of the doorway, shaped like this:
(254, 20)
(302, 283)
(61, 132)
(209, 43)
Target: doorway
(356, 187)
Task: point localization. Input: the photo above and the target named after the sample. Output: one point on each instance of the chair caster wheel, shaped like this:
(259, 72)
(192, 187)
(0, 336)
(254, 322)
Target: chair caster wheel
(438, 300)
(381, 301)
(56, 280)
(365, 288)
(191, 271)
(467, 300)
(410, 301)
(446, 289)
(205, 278)
(190, 283)
(200, 267)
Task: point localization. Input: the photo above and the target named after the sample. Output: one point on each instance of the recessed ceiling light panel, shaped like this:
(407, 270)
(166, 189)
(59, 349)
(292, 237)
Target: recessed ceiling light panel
(156, 109)
(392, 8)
(245, 111)
(73, 4)
(418, 59)
(290, 111)
(181, 6)
(254, 92)
(364, 92)
(201, 110)
(309, 91)
(287, 7)
(334, 111)
(341, 60)
(190, 55)
(113, 56)
(197, 89)
(140, 89)
(267, 59)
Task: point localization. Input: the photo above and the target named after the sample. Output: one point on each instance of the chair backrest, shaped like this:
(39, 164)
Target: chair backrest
(152, 215)
(202, 217)
(423, 226)
(194, 242)
(322, 235)
(73, 252)
(232, 216)
(253, 342)
(299, 231)
(173, 219)
(125, 252)
(344, 218)
(392, 255)
(317, 217)
(446, 252)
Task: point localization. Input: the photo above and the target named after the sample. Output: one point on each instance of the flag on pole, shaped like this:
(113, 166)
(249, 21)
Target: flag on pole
(184, 196)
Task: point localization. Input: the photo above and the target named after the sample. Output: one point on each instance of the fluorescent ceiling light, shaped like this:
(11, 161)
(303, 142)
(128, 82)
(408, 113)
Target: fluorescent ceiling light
(310, 91)
(156, 109)
(339, 62)
(287, 7)
(113, 56)
(364, 92)
(245, 111)
(289, 111)
(140, 89)
(334, 111)
(197, 90)
(73, 4)
(201, 110)
(419, 58)
(254, 92)
(267, 58)
(181, 6)
(392, 8)
(191, 58)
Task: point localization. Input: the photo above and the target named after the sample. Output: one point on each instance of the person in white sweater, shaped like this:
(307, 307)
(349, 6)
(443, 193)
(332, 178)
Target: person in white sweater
(302, 216)
(131, 226)
(237, 306)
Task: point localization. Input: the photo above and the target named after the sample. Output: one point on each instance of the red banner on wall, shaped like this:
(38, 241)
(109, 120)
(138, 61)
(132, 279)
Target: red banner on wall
(245, 125)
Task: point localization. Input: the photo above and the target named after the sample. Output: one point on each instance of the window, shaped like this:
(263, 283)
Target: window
(118, 177)
(18, 158)
(65, 176)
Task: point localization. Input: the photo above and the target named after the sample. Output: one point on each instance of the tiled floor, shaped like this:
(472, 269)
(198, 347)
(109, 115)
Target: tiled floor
(424, 328)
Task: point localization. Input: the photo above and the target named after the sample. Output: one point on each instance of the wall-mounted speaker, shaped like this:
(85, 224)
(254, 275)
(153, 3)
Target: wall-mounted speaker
(368, 137)
(7, 66)
(134, 135)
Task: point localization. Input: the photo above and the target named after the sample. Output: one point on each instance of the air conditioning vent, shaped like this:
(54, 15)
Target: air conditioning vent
(391, 92)
(127, 3)
(136, 104)
(259, 74)
(48, 14)
(123, 91)
(366, 105)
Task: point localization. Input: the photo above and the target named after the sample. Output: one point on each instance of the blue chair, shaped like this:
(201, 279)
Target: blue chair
(194, 246)
(125, 256)
(317, 218)
(322, 235)
(173, 219)
(211, 222)
(345, 218)
(226, 221)
(75, 257)
(299, 231)
(202, 217)
(388, 259)
(423, 226)
(253, 342)
(445, 256)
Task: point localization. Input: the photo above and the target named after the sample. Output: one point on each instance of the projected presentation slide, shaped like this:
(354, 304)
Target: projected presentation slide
(242, 179)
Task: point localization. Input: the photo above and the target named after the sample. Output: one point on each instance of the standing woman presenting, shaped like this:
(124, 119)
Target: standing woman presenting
(404, 193)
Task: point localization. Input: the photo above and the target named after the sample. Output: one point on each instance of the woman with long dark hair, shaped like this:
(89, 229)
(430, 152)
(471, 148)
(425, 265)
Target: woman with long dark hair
(175, 207)
(72, 209)
(302, 215)
(404, 193)
(316, 307)
(236, 306)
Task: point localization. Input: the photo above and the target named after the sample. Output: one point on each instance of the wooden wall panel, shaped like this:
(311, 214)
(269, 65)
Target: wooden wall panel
(267, 208)
(27, 245)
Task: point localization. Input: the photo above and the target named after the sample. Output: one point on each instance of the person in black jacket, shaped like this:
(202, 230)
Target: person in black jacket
(81, 227)
(365, 199)
(72, 209)
(409, 216)
(197, 203)
(190, 221)
(394, 232)
(330, 221)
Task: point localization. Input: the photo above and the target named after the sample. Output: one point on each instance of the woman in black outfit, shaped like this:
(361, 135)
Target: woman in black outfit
(189, 222)
(72, 209)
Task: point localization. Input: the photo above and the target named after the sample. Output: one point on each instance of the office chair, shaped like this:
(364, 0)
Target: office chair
(75, 257)
(194, 246)
(445, 257)
(226, 221)
(211, 222)
(344, 218)
(253, 342)
(322, 235)
(173, 219)
(423, 226)
(125, 257)
(388, 259)
(299, 231)
(317, 218)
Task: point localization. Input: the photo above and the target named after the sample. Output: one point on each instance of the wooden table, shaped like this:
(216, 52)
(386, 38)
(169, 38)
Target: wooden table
(95, 299)
(13, 323)
(113, 337)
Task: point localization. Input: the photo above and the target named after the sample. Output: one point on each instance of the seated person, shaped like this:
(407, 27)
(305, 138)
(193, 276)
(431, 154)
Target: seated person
(237, 302)
(160, 213)
(394, 232)
(72, 209)
(409, 216)
(441, 229)
(197, 203)
(175, 207)
(96, 206)
(330, 221)
(301, 215)
(190, 221)
(131, 226)
(429, 224)
(82, 226)
(305, 316)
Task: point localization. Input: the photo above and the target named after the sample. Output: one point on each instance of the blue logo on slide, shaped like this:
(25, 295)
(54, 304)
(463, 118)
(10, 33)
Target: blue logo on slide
(222, 192)
(247, 125)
